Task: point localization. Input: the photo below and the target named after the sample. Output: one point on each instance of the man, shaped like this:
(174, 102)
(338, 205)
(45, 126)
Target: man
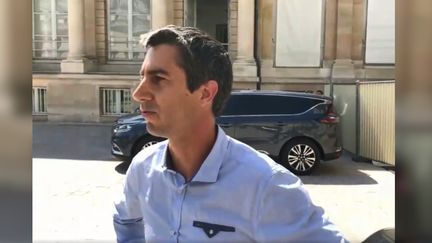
(201, 185)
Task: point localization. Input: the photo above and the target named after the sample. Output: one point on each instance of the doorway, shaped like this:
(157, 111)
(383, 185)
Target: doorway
(210, 16)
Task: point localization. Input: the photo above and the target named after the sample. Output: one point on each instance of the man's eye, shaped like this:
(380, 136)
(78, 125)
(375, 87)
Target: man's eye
(158, 79)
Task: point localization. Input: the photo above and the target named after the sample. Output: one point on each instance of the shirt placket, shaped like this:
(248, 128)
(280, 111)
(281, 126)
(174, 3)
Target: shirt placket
(181, 194)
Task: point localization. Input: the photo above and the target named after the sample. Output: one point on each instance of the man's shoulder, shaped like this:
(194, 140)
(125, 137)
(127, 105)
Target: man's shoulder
(150, 155)
(253, 162)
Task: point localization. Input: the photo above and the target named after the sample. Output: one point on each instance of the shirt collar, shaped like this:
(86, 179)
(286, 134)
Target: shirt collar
(209, 170)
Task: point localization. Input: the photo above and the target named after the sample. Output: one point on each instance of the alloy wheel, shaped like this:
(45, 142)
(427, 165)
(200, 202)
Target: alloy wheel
(301, 157)
(148, 144)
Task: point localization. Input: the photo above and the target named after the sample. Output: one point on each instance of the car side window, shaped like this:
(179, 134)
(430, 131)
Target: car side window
(267, 104)
(231, 106)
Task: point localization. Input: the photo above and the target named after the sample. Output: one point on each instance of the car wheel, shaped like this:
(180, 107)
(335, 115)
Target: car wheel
(300, 156)
(144, 143)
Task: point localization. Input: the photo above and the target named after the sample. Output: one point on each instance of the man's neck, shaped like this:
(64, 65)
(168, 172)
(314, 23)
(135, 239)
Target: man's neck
(188, 152)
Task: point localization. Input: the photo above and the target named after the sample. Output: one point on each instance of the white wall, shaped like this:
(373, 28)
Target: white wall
(380, 32)
(299, 29)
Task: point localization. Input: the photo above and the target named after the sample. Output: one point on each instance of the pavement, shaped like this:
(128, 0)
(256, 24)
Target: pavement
(75, 180)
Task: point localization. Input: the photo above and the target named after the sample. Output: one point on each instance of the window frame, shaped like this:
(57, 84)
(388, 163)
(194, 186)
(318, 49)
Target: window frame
(54, 36)
(36, 100)
(130, 37)
(117, 105)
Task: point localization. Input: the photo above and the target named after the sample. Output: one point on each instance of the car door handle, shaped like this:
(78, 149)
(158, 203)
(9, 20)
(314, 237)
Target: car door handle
(269, 129)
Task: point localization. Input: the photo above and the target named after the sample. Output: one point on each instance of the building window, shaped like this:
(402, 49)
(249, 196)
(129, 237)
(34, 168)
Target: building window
(380, 32)
(128, 19)
(299, 33)
(39, 100)
(50, 29)
(116, 101)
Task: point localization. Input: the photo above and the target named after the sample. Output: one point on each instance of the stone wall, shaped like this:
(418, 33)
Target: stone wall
(77, 97)
(178, 12)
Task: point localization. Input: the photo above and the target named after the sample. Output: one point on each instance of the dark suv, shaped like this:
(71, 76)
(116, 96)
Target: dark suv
(298, 130)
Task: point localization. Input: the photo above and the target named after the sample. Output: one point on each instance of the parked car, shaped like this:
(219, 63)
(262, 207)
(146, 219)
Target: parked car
(298, 130)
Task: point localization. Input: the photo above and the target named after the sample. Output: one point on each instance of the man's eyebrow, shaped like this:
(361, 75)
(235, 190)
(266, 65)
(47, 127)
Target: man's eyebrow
(157, 71)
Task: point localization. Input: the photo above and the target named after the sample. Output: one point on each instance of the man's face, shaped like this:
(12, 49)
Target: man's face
(169, 108)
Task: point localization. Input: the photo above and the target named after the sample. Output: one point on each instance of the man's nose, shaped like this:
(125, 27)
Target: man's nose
(142, 92)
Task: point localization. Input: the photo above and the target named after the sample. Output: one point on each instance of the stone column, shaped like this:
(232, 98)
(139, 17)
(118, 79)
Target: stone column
(344, 68)
(162, 13)
(344, 29)
(76, 61)
(245, 30)
(245, 68)
(343, 87)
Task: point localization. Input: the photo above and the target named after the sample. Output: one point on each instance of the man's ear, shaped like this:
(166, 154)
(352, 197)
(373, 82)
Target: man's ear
(208, 92)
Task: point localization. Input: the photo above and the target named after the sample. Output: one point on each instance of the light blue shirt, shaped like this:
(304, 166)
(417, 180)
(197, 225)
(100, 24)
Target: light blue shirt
(237, 195)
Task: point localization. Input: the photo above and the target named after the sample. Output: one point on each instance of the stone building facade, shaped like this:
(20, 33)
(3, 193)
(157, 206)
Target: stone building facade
(86, 55)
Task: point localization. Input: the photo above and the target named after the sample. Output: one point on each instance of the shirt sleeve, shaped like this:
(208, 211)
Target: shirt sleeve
(285, 213)
(127, 217)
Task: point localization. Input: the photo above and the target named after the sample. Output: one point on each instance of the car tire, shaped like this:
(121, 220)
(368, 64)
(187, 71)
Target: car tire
(143, 143)
(301, 156)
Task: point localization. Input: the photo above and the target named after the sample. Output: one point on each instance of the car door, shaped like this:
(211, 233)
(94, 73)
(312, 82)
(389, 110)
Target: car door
(271, 120)
(260, 128)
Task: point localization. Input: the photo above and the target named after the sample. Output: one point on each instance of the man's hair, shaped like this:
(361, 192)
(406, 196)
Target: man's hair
(200, 56)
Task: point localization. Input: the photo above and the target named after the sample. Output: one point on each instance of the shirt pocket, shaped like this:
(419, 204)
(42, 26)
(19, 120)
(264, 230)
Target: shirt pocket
(212, 230)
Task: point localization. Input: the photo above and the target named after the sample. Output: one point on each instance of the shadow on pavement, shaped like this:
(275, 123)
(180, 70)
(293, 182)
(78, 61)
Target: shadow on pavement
(74, 142)
(122, 167)
(342, 171)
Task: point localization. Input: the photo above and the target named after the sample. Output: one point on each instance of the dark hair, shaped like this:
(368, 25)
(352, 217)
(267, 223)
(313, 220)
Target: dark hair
(201, 57)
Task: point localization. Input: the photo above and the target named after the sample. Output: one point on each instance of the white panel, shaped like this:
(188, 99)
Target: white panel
(299, 33)
(345, 105)
(380, 32)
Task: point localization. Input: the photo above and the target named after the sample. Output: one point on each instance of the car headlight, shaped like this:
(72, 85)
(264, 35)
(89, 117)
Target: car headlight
(122, 128)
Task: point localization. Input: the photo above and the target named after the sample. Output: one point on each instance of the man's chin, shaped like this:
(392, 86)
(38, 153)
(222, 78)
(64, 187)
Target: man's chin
(155, 131)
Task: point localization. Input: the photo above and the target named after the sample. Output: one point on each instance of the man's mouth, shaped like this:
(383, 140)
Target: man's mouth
(147, 110)
(147, 113)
